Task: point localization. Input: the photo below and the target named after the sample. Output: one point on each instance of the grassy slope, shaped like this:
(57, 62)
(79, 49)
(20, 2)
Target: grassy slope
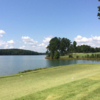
(79, 54)
(54, 83)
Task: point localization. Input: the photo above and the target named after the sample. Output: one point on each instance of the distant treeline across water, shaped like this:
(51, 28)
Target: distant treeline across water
(18, 52)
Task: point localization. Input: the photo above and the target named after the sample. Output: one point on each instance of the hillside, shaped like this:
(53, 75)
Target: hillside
(18, 52)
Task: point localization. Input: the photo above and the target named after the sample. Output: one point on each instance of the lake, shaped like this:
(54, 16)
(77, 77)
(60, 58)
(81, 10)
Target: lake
(14, 64)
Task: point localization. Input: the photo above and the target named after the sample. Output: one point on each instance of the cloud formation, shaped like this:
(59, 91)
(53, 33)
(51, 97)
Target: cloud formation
(28, 40)
(2, 42)
(2, 32)
(45, 42)
(93, 41)
(22, 47)
(10, 42)
(6, 45)
(31, 44)
(42, 44)
(47, 39)
(11, 47)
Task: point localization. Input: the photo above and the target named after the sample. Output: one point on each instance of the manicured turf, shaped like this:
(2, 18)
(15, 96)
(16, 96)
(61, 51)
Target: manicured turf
(70, 82)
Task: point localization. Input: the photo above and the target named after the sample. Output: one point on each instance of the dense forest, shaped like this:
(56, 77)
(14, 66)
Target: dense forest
(18, 52)
(62, 46)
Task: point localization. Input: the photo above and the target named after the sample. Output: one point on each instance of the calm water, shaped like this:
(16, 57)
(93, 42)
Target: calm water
(14, 64)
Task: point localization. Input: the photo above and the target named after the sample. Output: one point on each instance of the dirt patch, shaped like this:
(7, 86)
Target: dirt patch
(52, 97)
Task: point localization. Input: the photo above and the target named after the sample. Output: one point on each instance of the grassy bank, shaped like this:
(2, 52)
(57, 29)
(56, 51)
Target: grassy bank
(79, 56)
(78, 82)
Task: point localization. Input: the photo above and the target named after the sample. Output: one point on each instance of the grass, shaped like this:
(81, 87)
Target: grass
(70, 82)
(81, 56)
(25, 71)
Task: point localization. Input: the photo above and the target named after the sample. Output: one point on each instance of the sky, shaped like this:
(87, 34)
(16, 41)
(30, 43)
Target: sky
(30, 24)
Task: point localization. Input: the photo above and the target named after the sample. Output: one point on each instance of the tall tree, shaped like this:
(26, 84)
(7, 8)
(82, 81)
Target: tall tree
(99, 11)
(74, 45)
(64, 45)
(53, 46)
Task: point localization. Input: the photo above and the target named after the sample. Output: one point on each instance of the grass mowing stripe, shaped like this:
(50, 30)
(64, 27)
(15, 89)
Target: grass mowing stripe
(71, 91)
(94, 95)
(30, 83)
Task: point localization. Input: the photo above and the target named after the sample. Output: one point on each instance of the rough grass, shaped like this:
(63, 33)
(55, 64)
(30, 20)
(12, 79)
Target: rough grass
(70, 82)
(80, 55)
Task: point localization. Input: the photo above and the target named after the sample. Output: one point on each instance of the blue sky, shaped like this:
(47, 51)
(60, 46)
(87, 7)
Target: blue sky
(30, 24)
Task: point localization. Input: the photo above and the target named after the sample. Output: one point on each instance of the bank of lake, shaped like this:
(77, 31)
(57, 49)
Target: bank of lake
(78, 56)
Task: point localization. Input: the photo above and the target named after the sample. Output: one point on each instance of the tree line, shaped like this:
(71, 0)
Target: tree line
(62, 46)
(18, 52)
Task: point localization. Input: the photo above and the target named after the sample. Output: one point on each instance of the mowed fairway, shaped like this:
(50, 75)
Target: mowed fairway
(70, 82)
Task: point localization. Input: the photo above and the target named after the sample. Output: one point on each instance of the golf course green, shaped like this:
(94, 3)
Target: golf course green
(70, 82)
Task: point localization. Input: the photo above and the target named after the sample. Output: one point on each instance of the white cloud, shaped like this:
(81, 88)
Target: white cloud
(47, 39)
(93, 41)
(2, 43)
(96, 38)
(81, 39)
(22, 47)
(28, 40)
(6, 46)
(42, 44)
(31, 44)
(45, 42)
(2, 32)
(10, 42)
(11, 47)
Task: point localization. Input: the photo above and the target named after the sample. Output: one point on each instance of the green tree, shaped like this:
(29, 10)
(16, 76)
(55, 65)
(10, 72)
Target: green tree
(53, 46)
(99, 11)
(74, 45)
(56, 55)
(64, 45)
(71, 49)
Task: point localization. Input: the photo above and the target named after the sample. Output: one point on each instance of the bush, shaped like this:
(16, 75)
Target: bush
(70, 56)
(77, 56)
(92, 56)
(98, 56)
(87, 56)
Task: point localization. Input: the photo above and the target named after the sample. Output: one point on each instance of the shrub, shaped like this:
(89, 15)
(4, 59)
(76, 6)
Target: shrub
(92, 56)
(77, 56)
(87, 56)
(70, 56)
